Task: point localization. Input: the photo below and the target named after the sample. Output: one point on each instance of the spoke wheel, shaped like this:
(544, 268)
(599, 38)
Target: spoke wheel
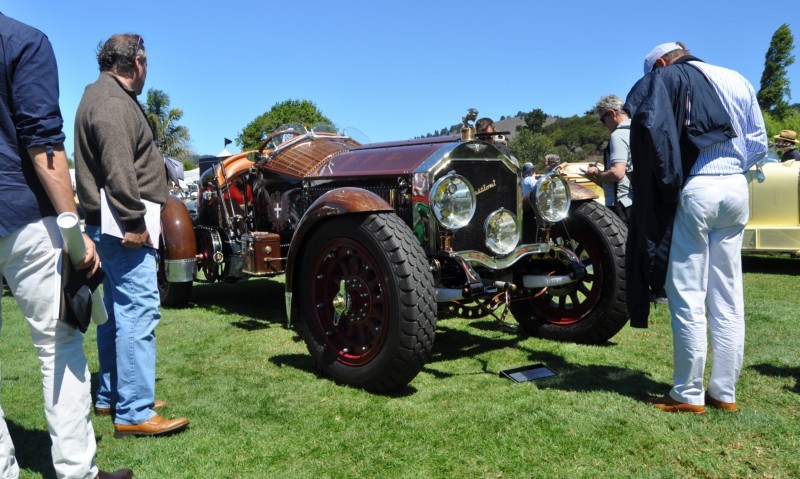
(209, 249)
(365, 301)
(593, 309)
(353, 309)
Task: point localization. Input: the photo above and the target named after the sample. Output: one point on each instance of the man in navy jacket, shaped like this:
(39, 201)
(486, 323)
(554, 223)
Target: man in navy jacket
(696, 129)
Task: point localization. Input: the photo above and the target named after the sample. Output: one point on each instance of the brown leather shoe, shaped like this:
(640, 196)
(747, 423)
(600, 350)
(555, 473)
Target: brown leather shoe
(667, 404)
(107, 411)
(725, 406)
(118, 474)
(156, 426)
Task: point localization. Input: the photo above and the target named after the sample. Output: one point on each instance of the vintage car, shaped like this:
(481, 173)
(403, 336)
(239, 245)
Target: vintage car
(774, 225)
(378, 240)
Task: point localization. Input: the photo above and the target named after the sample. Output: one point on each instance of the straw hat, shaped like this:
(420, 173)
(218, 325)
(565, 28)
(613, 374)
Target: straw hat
(787, 136)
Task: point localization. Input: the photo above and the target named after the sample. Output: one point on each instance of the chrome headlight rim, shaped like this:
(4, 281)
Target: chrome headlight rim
(461, 220)
(509, 247)
(543, 193)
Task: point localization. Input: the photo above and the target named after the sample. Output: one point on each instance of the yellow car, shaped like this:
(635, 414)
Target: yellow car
(774, 224)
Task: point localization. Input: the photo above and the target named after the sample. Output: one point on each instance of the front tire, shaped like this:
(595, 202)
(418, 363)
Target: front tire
(366, 301)
(591, 310)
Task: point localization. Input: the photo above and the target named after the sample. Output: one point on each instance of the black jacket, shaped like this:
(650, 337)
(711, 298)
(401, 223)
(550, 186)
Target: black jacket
(675, 111)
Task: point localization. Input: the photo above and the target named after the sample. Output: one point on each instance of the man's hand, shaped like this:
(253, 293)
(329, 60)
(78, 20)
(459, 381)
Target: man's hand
(592, 173)
(136, 239)
(91, 260)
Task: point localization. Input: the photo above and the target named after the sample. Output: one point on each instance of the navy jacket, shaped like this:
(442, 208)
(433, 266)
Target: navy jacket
(29, 116)
(675, 111)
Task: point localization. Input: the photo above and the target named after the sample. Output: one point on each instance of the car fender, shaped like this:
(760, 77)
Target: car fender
(580, 192)
(338, 202)
(180, 247)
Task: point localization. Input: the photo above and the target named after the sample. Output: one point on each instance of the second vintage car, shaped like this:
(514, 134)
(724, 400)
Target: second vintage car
(377, 240)
(774, 224)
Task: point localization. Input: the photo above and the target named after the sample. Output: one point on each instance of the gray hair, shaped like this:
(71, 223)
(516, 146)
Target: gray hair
(119, 53)
(608, 103)
(552, 158)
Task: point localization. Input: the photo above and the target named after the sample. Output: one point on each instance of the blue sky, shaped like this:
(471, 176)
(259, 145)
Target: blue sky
(394, 70)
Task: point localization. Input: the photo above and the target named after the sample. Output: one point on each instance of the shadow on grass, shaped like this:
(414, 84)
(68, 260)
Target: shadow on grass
(780, 372)
(32, 450)
(261, 300)
(778, 264)
(303, 362)
(454, 343)
(582, 378)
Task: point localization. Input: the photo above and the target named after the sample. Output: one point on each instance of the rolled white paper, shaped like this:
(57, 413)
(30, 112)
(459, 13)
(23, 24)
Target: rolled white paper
(68, 223)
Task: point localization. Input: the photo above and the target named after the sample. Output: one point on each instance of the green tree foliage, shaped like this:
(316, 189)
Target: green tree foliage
(775, 90)
(775, 125)
(579, 136)
(534, 120)
(289, 111)
(171, 138)
(531, 147)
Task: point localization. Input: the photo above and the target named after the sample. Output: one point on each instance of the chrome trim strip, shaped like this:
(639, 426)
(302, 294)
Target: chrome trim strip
(287, 297)
(445, 295)
(520, 252)
(539, 281)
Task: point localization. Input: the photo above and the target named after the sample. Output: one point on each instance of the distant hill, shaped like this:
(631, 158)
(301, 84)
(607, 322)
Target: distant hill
(508, 124)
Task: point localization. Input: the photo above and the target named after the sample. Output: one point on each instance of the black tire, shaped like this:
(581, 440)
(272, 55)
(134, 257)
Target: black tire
(383, 335)
(173, 295)
(593, 310)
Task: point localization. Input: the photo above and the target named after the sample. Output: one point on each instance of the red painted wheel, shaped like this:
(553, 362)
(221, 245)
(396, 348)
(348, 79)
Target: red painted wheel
(592, 309)
(365, 301)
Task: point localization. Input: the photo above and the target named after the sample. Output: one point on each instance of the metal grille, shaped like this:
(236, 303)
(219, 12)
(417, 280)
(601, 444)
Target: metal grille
(500, 184)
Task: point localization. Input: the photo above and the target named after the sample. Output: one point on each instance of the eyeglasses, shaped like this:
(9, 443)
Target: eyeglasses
(139, 44)
(605, 115)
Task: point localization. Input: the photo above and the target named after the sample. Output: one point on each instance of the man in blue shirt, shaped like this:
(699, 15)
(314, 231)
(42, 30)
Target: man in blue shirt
(36, 187)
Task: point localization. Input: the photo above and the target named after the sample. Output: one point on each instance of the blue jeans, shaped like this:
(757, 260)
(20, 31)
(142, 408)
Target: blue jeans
(126, 343)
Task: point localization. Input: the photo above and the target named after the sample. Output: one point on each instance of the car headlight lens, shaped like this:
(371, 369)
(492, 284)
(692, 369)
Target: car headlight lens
(551, 198)
(452, 199)
(502, 231)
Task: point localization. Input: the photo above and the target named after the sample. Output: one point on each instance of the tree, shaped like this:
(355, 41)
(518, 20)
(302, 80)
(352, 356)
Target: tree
(289, 111)
(581, 135)
(172, 139)
(775, 92)
(531, 147)
(534, 120)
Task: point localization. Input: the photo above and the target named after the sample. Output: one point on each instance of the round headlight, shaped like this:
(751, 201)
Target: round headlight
(551, 198)
(452, 199)
(502, 231)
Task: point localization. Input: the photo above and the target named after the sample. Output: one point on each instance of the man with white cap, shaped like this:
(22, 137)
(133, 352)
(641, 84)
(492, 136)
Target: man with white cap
(696, 129)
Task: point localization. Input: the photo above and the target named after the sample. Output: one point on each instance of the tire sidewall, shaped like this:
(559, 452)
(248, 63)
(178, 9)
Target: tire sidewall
(356, 228)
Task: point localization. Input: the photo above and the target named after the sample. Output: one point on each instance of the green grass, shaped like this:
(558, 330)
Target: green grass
(259, 409)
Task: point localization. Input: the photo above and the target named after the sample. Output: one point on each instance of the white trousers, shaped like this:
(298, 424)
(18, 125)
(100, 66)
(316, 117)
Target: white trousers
(704, 286)
(28, 259)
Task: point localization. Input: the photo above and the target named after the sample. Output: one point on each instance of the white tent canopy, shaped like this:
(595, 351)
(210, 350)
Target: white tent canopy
(191, 176)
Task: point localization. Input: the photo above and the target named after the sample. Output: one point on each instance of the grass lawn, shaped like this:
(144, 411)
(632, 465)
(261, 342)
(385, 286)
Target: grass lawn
(258, 408)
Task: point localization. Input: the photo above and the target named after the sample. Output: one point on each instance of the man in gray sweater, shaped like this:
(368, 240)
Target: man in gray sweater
(115, 153)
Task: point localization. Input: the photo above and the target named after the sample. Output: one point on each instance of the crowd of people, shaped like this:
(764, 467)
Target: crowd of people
(673, 171)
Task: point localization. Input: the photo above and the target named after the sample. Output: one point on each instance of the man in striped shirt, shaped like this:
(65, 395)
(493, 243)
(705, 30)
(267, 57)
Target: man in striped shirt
(704, 274)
